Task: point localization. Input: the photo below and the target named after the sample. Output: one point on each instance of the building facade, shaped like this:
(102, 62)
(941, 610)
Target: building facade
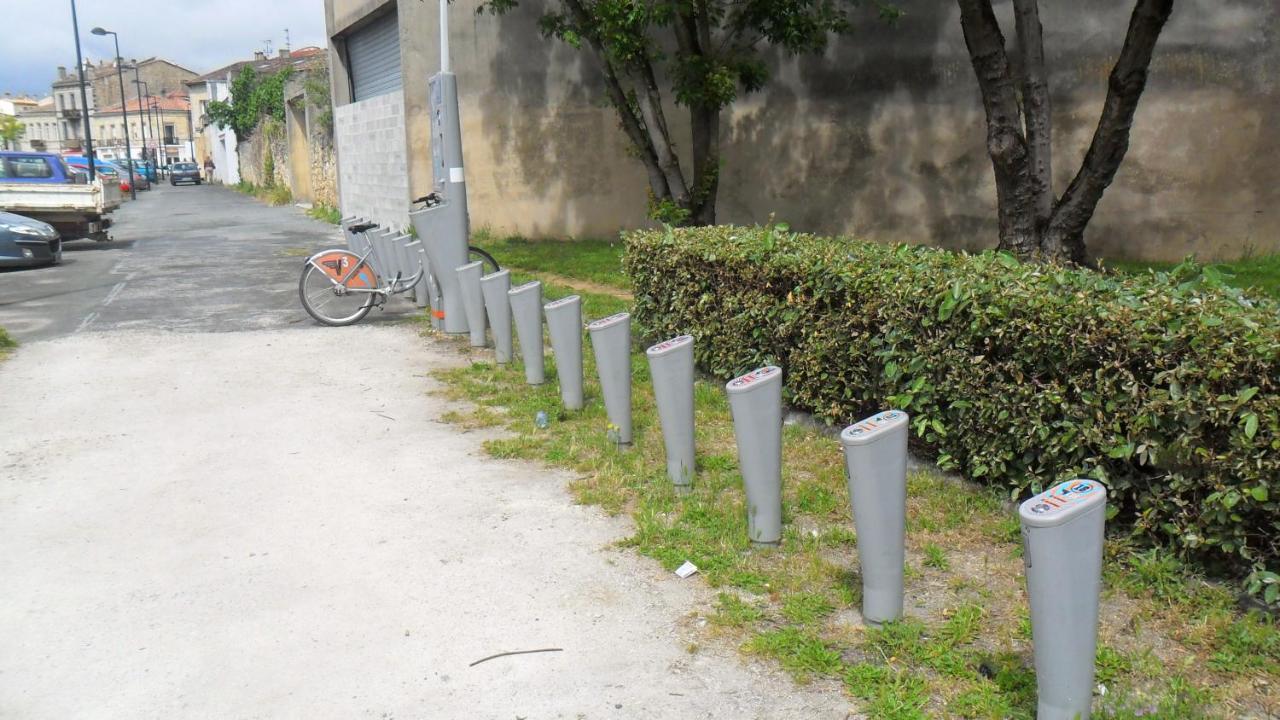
(159, 129)
(882, 136)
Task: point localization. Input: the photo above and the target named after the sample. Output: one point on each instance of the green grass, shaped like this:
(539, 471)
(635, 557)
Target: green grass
(326, 213)
(1260, 273)
(7, 344)
(274, 195)
(596, 261)
(1171, 645)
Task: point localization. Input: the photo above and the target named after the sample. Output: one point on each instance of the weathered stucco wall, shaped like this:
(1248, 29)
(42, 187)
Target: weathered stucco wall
(883, 137)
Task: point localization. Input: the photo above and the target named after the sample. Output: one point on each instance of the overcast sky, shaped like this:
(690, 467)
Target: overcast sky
(200, 35)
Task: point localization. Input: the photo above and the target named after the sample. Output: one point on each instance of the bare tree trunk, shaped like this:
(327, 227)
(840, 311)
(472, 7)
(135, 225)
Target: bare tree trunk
(1111, 138)
(1015, 196)
(649, 98)
(706, 165)
(1035, 106)
(1031, 225)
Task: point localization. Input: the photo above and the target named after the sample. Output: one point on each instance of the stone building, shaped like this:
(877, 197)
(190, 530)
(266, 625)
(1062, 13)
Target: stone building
(881, 137)
(102, 88)
(160, 125)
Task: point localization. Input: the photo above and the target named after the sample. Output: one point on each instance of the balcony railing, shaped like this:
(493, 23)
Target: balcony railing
(71, 113)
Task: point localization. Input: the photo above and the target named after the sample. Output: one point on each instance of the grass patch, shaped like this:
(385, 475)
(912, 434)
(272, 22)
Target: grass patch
(1171, 645)
(596, 261)
(1259, 273)
(326, 213)
(7, 344)
(274, 195)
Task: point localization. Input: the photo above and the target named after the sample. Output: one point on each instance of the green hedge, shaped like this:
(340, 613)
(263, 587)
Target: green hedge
(1164, 387)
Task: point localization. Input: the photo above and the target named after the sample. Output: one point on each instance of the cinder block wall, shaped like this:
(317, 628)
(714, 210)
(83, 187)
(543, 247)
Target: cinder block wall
(373, 179)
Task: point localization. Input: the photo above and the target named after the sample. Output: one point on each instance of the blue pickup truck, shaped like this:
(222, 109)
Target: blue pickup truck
(44, 187)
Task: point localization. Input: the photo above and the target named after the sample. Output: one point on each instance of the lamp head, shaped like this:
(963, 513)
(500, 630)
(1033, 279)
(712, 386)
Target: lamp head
(100, 31)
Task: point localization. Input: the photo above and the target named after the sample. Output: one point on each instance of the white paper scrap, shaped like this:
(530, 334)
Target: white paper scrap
(686, 569)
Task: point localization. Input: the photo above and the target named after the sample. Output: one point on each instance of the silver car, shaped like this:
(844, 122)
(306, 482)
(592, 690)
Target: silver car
(25, 242)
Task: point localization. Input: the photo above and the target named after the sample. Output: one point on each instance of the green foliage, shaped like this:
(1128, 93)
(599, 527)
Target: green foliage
(253, 97)
(10, 130)
(268, 169)
(7, 344)
(1166, 388)
(1262, 273)
(326, 213)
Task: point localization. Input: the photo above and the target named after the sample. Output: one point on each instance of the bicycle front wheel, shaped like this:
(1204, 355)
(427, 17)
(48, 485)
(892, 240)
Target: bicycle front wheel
(330, 303)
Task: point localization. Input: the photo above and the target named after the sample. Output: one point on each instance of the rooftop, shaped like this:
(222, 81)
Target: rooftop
(262, 64)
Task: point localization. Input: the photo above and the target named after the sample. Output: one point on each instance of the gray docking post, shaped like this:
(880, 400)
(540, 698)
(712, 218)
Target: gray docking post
(611, 342)
(421, 291)
(526, 310)
(1062, 533)
(671, 366)
(875, 461)
(473, 300)
(755, 400)
(564, 326)
(498, 307)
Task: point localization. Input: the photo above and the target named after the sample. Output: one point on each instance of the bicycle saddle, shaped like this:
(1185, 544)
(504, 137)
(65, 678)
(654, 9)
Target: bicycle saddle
(362, 227)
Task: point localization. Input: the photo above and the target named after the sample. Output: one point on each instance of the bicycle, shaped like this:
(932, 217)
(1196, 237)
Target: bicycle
(339, 287)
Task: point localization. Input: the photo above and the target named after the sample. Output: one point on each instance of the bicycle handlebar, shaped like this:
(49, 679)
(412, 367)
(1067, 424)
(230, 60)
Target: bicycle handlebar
(430, 199)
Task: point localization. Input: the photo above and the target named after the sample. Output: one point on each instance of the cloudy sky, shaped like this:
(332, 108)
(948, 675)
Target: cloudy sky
(201, 35)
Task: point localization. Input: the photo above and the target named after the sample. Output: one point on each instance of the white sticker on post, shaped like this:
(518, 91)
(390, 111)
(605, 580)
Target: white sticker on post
(455, 175)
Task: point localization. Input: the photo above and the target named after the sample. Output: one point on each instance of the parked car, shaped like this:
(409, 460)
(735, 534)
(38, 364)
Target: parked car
(102, 167)
(43, 187)
(127, 167)
(26, 242)
(184, 172)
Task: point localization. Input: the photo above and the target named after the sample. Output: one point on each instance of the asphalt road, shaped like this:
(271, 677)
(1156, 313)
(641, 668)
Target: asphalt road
(189, 258)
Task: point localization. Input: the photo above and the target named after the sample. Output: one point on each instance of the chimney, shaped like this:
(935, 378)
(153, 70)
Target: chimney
(259, 55)
(62, 72)
(284, 53)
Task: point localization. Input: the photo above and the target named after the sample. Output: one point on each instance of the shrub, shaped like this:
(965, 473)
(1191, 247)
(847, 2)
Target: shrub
(1164, 387)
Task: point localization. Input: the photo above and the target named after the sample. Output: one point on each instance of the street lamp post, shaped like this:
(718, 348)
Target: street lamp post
(155, 137)
(124, 108)
(84, 97)
(142, 127)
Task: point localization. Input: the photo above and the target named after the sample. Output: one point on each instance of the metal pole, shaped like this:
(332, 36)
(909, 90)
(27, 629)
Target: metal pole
(84, 97)
(142, 127)
(124, 109)
(444, 36)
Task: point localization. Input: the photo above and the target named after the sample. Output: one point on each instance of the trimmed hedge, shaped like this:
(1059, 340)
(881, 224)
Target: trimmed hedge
(1165, 387)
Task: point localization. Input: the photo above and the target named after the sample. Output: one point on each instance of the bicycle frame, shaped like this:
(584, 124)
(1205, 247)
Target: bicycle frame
(395, 287)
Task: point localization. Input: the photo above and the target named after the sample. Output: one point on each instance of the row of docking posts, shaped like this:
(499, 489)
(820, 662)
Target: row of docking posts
(1062, 528)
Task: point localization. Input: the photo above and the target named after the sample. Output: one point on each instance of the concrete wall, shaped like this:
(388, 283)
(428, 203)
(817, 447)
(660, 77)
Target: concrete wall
(372, 176)
(883, 137)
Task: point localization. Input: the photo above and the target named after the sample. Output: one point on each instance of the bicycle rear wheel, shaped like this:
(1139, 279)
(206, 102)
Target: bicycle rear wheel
(330, 303)
(475, 254)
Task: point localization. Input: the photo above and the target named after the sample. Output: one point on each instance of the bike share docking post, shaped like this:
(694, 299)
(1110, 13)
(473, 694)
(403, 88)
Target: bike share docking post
(875, 461)
(352, 242)
(611, 342)
(564, 326)
(444, 227)
(755, 401)
(473, 300)
(496, 304)
(671, 366)
(1062, 534)
(421, 298)
(526, 310)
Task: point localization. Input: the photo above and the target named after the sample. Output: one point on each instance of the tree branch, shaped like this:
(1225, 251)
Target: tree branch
(632, 125)
(649, 98)
(1035, 106)
(1111, 138)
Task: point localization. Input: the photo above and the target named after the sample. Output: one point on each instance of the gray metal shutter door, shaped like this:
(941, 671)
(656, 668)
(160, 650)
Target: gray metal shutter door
(373, 53)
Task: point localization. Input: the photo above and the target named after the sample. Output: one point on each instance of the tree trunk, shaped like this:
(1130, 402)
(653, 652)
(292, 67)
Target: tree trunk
(706, 165)
(1032, 226)
(1016, 198)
